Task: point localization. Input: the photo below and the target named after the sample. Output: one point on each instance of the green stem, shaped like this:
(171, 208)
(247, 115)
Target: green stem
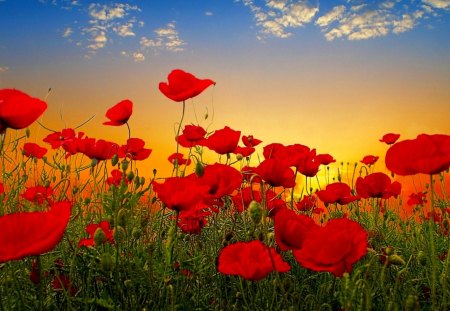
(178, 132)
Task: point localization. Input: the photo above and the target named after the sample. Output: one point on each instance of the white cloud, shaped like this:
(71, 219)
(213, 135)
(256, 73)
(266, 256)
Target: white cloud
(4, 68)
(138, 57)
(275, 17)
(440, 4)
(209, 13)
(331, 16)
(67, 32)
(125, 30)
(167, 38)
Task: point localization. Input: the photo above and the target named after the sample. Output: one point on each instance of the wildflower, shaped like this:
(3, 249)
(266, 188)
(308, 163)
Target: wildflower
(369, 160)
(418, 198)
(38, 194)
(223, 141)
(33, 233)
(334, 247)
(250, 141)
(134, 149)
(221, 180)
(390, 138)
(276, 173)
(119, 113)
(177, 159)
(377, 185)
(309, 202)
(337, 193)
(192, 221)
(250, 260)
(116, 178)
(426, 154)
(18, 110)
(98, 234)
(33, 150)
(192, 136)
(183, 85)
(97, 149)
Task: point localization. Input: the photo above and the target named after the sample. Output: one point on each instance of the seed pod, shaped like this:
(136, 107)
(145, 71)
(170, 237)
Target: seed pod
(255, 212)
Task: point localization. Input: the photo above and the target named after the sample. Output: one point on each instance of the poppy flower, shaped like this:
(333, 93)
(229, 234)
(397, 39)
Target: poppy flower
(244, 151)
(250, 260)
(33, 233)
(38, 194)
(369, 160)
(193, 135)
(223, 141)
(192, 222)
(419, 198)
(221, 180)
(292, 155)
(291, 229)
(177, 159)
(249, 174)
(116, 178)
(134, 149)
(308, 203)
(183, 85)
(119, 113)
(181, 193)
(62, 282)
(58, 139)
(242, 199)
(390, 138)
(18, 110)
(276, 173)
(337, 193)
(250, 141)
(334, 247)
(97, 149)
(426, 154)
(33, 150)
(377, 185)
(91, 229)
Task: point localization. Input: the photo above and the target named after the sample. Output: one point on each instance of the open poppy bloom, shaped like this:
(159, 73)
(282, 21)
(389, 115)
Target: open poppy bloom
(192, 221)
(377, 185)
(19, 110)
(426, 154)
(97, 149)
(419, 198)
(134, 149)
(193, 135)
(390, 138)
(178, 159)
(369, 160)
(250, 141)
(250, 260)
(39, 194)
(116, 178)
(33, 233)
(33, 150)
(223, 141)
(221, 180)
(119, 113)
(183, 85)
(337, 193)
(92, 229)
(276, 173)
(333, 248)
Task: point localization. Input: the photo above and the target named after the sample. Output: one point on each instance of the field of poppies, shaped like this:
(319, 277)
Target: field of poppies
(255, 229)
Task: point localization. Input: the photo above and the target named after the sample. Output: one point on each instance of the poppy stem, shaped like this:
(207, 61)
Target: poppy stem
(178, 132)
(129, 130)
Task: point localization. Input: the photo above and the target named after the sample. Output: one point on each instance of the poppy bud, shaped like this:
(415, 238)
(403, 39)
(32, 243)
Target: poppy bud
(106, 262)
(119, 234)
(389, 250)
(137, 180)
(115, 159)
(136, 233)
(199, 169)
(47, 184)
(396, 260)
(99, 236)
(411, 303)
(93, 163)
(422, 258)
(255, 212)
(125, 165)
(122, 217)
(27, 132)
(154, 172)
(130, 176)
(239, 157)
(128, 283)
(142, 182)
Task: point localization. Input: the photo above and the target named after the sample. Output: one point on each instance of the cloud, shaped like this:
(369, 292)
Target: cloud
(138, 57)
(125, 30)
(166, 38)
(440, 4)
(67, 32)
(276, 17)
(3, 68)
(208, 13)
(331, 16)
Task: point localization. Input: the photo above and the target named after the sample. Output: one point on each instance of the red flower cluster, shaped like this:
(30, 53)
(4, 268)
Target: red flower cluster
(116, 178)
(338, 192)
(419, 198)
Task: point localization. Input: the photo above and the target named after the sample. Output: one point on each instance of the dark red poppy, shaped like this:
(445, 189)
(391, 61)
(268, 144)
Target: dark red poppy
(390, 138)
(134, 149)
(223, 141)
(337, 193)
(31, 234)
(419, 198)
(183, 85)
(333, 248)
(177, 159)
(377, 185)
(193, 135)
(62, 282)
(181, 193)
(250, 260)
(97, 149)
(250, 141)
(119, 113)
(35, 276)
(369, 160)
(291, 229)
(39, 195)
(192, 222)
(308, 203)
(276, 173)
(249, 174)
(91, 229)
(244, 151)
(426, 154)
(19, 110)
(116, 178)
(325, 159)
(33, 150)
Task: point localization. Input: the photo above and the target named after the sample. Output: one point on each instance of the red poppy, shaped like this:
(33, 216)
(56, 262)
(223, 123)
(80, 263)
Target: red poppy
(116, 178)
(97, 149)
(181, 193)
(183, 85)
(31, 234)
(33, 150)
(223, 141)
(308, 203)
(291, 229)
(244, 151)
(369, 160)
(250, 141)
(242, 199)
(58, 139)
(177, 159)
(276, 173)
(91, 229)
(333, 248)
(337, 193)
(39, 194)
(2, 189)
(19, 110)
(419, 198)
(390, 138)
(192, 222)
(193, 135)
(250, 260)
(119, 113)
(325, 159)
(62, 281)
(377, 185)
(427, 154)
(249, 174)
(134, 149)
(291, 155)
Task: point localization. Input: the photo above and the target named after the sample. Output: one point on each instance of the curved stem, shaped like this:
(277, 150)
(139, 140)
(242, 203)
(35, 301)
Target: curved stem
(178, 132)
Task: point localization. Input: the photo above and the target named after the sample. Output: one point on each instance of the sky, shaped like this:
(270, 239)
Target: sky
(332, 75)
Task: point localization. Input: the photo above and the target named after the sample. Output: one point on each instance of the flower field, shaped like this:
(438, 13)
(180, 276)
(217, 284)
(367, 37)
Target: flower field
(264, 226)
